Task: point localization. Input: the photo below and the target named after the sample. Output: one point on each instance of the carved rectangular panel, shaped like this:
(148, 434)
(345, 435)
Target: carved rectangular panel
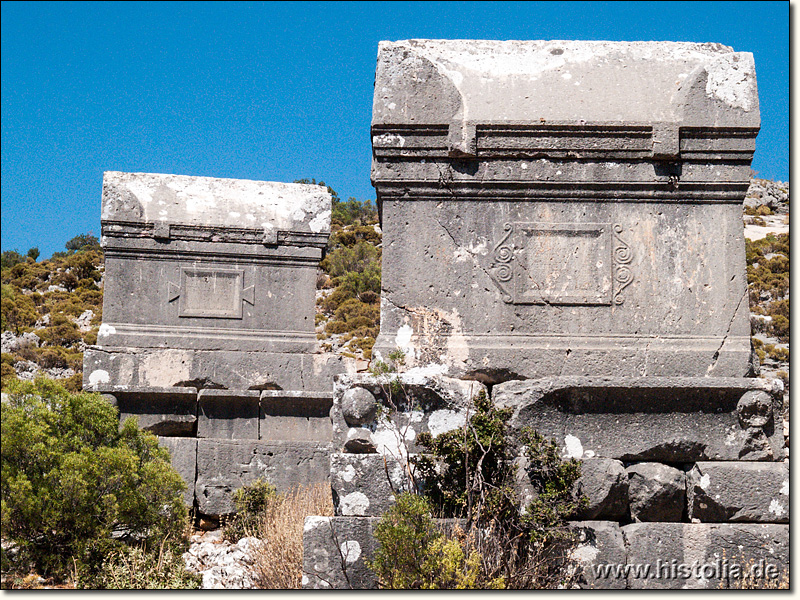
(556, 263)
(211, 293)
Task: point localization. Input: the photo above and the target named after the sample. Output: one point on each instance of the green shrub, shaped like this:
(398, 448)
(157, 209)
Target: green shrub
(356, 258)
(413, 553)
(251, 501)
(19, 312)
(71, 476)
(9, 258)
(470, 473)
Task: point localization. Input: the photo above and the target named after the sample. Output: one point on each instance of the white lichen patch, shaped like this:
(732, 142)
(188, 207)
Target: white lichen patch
(351, 551)
(321, 222)
(574, 447)
(106, 329)
(354, 504)
(403, 338)
(313, 522)
(444, 420)
(731, 79)
(785, 488)
(99, 376)
(585, 554)
(348, 473)
(704, 482)
(777, 508)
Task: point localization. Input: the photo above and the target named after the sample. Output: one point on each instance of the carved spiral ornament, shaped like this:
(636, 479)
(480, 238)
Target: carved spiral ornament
(504, 254)
(504, 273)
(623, 276)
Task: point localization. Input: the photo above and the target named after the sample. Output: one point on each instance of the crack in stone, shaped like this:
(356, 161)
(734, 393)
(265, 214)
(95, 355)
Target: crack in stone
(715, 358)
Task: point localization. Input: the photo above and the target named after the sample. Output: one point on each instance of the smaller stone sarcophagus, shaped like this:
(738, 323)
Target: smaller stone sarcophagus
(208, 327)
(210, 283)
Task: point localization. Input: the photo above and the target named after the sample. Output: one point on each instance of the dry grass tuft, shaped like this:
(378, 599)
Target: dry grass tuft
(279, 562)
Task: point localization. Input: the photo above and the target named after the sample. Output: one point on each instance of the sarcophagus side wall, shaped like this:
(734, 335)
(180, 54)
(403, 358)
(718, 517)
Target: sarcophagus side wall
(564, 208)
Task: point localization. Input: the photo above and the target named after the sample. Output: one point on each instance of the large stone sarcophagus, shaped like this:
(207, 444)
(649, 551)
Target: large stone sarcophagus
(564, 208)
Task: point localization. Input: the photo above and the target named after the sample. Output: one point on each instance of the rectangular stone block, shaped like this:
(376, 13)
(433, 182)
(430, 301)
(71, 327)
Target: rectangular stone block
(704, 556)
(585, 195)
(599, 543)
(210, 282)
(295, 415)
(228, 414)
(184, 460)
(335, 551)
(740, 492)
(604, 483)
(226, 465)
(163, 411)
(662, 419)
(206, 263)
(365, 485)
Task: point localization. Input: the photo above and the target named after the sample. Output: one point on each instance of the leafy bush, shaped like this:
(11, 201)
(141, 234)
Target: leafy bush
(414, 553)
(85, 241)
(71, 477)
(9, 258)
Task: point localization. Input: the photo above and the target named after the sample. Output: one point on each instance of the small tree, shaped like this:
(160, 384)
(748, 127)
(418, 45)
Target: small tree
(71, 478)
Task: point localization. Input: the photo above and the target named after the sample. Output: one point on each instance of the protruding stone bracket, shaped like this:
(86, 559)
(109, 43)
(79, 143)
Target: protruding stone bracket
(462, 139)
(161, 230)
(270, 236)
(666, 141)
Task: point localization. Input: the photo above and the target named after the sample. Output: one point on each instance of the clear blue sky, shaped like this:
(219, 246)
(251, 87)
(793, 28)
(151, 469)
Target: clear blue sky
(275, 91)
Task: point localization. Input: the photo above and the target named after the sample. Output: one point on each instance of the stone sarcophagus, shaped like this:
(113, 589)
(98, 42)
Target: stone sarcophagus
(208, 328)
(210, 283)
(564, 208)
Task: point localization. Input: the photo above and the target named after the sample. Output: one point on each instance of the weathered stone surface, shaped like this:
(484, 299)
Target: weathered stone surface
(664, 419)
(359, 441)
(365, 484)
(168, 411)
(599, 543)
(296, 415)
(657, 492)
(183, 452)
(212, 369)
(410, 403)
(739, 491)
(586, 195)
(358, 406)
(226, 465)
(702, 556)
(604, 482)
(228, 414)
(335, 550)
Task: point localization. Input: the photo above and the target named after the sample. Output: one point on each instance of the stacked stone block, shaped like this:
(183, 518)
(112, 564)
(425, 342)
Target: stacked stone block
(670, 512)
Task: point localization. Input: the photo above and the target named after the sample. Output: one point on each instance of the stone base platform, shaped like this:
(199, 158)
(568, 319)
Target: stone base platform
(227, 369)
